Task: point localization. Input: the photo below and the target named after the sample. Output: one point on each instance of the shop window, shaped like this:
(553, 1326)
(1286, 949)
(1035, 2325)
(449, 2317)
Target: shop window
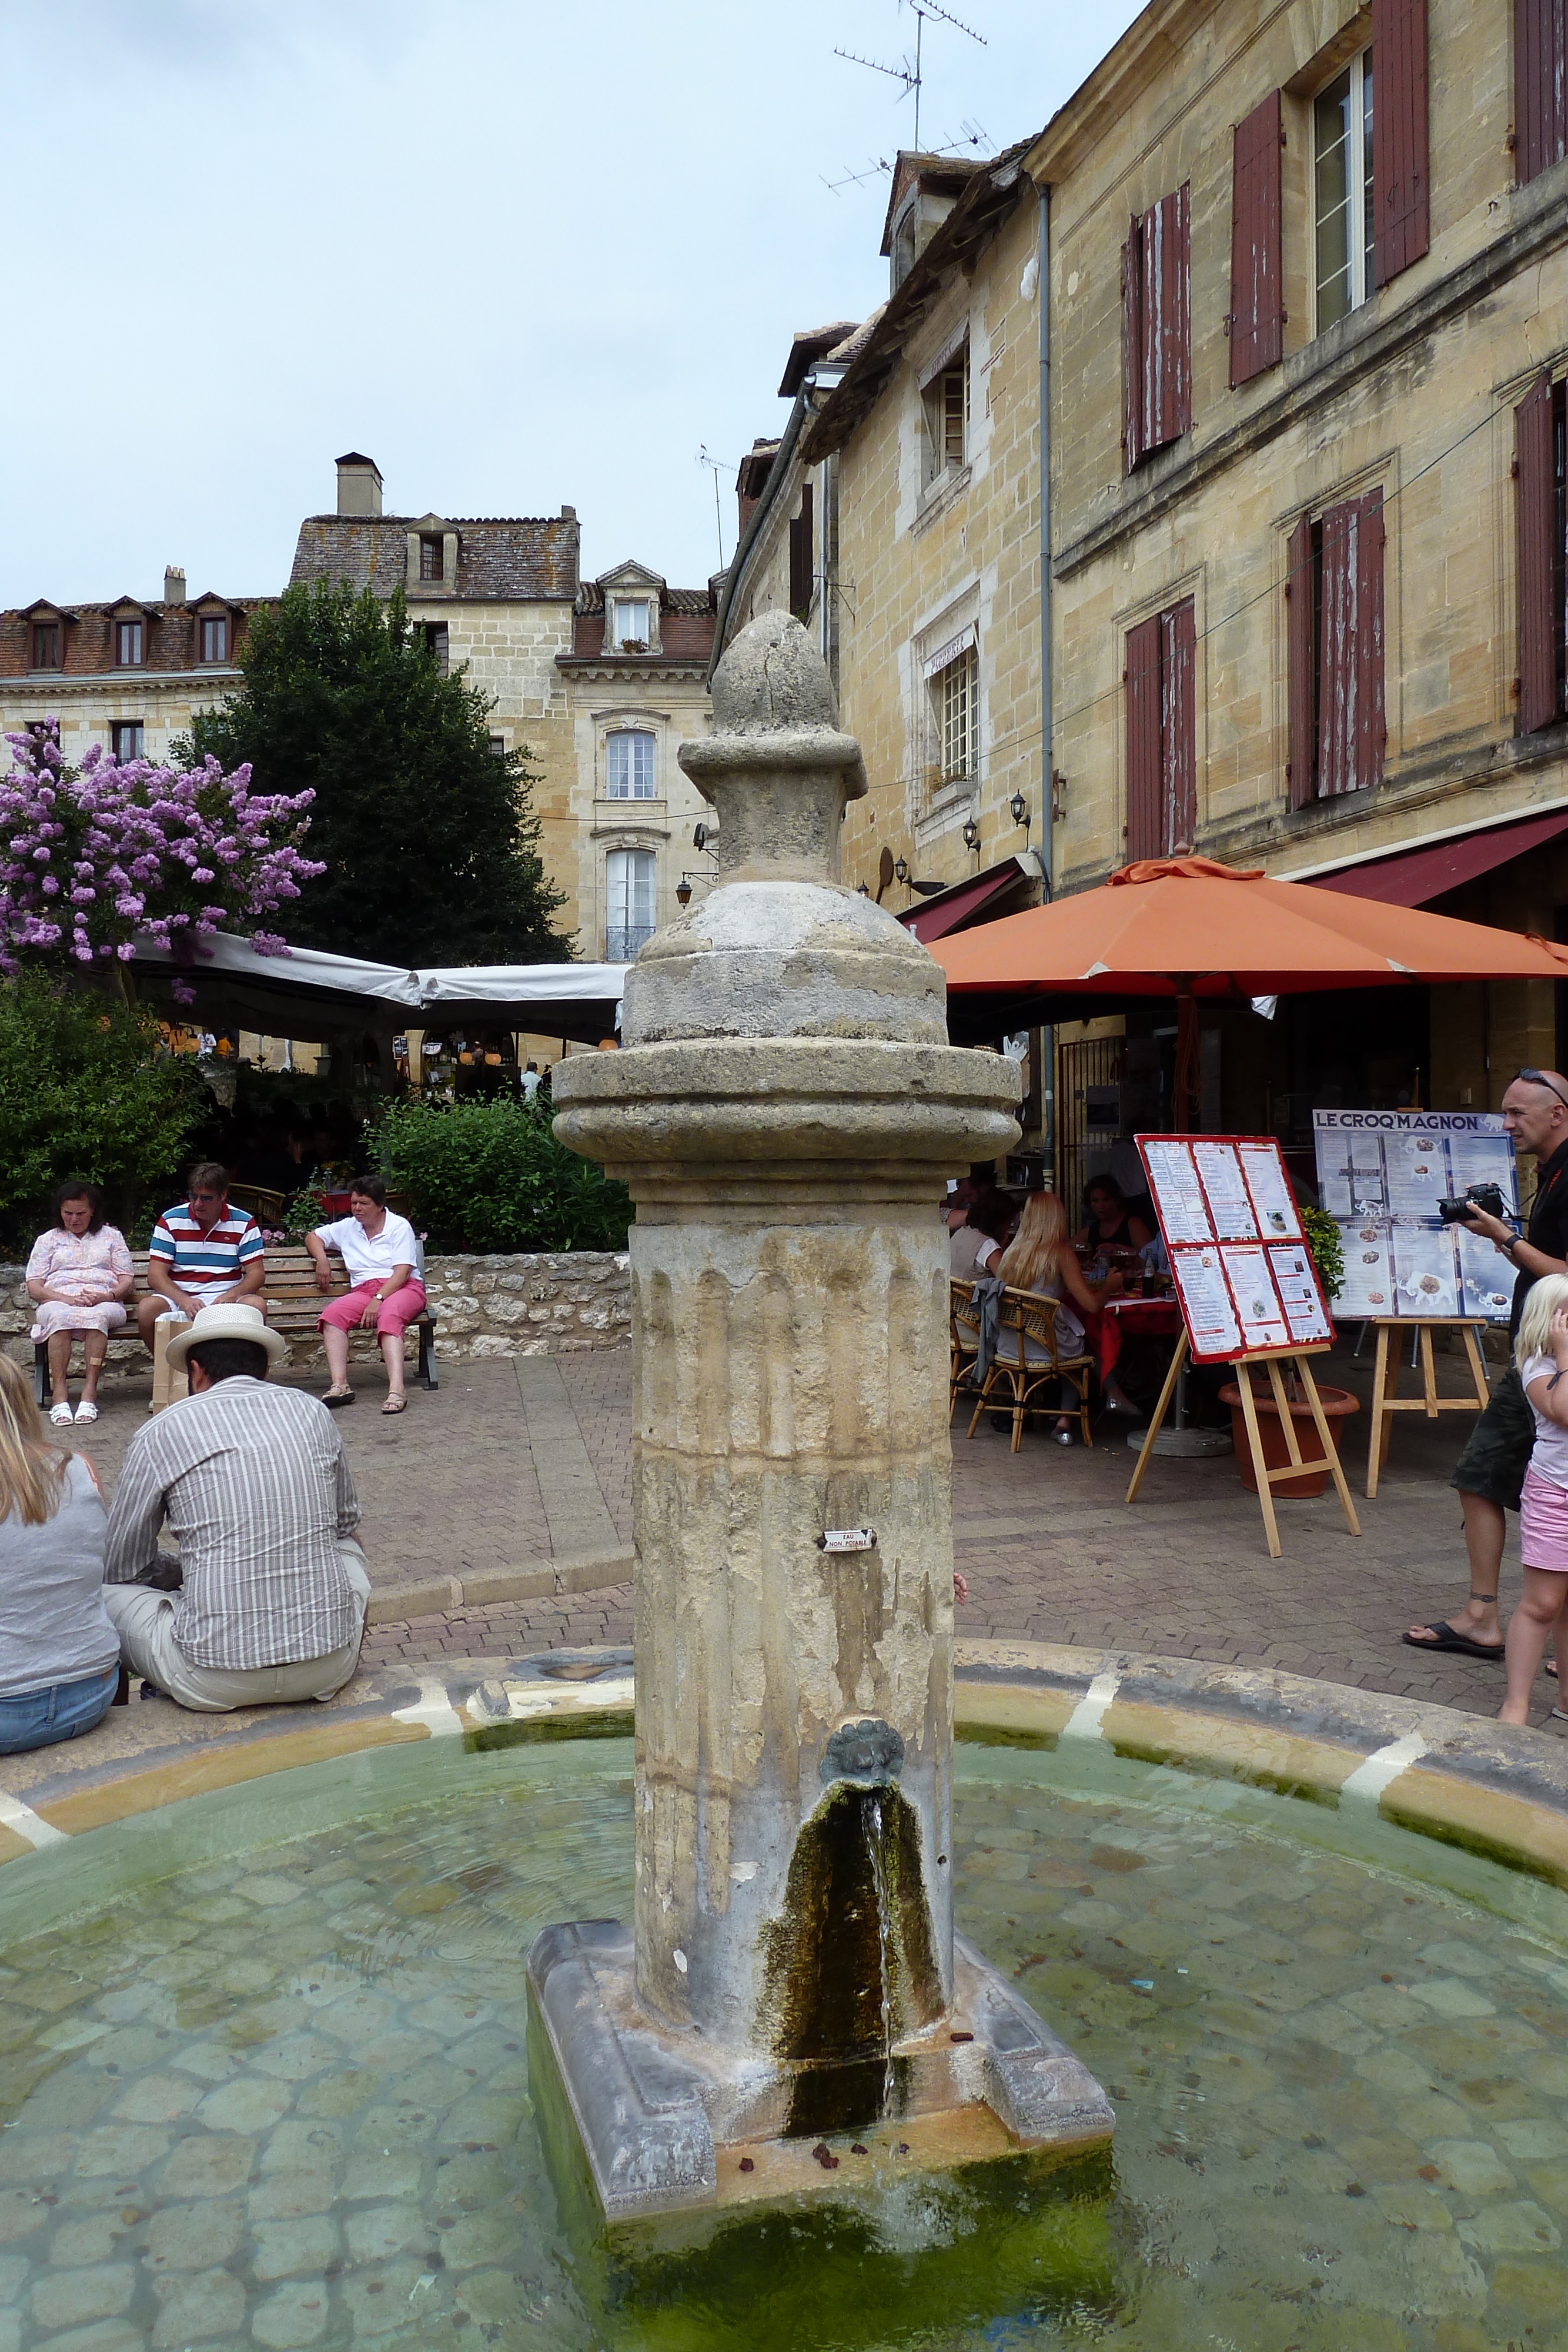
(628, 902)
(1162, 765)
(1334, 627)
(629, 765)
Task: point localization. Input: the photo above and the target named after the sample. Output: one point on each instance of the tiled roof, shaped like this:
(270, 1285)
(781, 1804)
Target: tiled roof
(516, 559)
(169, 642)
(807, 345)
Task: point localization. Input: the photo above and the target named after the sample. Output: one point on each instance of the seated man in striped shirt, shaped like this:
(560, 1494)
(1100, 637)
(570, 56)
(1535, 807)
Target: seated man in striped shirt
(252, 1481)
(202, 1254)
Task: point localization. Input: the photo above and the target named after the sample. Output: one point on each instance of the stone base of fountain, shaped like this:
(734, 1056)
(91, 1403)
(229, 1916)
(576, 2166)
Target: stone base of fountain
(670, 2123)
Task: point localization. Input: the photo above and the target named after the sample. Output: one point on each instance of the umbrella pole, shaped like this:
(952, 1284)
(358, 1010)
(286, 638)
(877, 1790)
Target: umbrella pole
(1188, 1058)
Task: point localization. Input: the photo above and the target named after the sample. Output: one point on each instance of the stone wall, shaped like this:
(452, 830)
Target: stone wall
(540, 1303)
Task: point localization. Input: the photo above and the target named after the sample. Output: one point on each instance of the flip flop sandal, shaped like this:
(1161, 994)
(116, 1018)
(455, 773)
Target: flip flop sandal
(395, 1404)
(333, 1398)
(1445, 1638)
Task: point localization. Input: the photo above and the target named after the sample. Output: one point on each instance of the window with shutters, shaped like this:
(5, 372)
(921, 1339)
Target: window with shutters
(1333, 593)
(1541, 483)
(1256, 322)
(629, 898)
(1539, 85)
(1343, 209)
(1161, 762)
(126, 738)
(947, 407)
(629, 764)
(1156, 334)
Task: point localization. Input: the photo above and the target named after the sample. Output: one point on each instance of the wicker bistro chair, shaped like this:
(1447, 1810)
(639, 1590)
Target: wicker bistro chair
(1028, 1367)
(963, 1339)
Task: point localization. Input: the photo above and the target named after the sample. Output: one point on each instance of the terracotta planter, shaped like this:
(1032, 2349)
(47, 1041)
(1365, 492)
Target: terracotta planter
(1338, 1404)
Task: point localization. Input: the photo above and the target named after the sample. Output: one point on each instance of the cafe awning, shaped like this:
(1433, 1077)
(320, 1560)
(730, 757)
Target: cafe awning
(1414, 877)
(978, 899)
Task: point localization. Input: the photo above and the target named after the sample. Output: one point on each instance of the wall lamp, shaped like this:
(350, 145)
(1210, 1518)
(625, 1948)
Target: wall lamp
(1022, 812)
(971, 833)
(864, 889)
(901, 869)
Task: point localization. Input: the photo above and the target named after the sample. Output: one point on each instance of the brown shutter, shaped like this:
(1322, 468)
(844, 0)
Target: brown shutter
(1257, 315)
(1166, 384)
(1144, 740)
(1539, 85)
(1301, 636)
(1401, 227)
(1370, 731)
(1179, 761)
(1132, 345)
(1336, 654)
(1537, 508)
(800, 558)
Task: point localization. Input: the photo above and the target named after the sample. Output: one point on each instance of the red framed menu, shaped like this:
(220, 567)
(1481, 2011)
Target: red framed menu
(1244, 1280)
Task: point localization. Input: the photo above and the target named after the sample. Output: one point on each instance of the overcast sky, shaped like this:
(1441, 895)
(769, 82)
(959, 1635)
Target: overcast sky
(522, 257)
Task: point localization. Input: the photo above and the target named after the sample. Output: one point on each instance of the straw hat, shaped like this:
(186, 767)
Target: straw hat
(231, 1322)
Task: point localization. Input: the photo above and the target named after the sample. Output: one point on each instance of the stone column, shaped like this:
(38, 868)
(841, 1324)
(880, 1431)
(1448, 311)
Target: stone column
(786, 1109)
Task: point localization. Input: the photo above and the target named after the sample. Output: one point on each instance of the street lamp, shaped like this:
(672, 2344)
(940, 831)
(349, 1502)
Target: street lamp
(683, 891)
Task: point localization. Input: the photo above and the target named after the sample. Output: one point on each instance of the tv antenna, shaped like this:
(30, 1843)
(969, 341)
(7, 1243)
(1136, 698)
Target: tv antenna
(716, 465)
(908, 70)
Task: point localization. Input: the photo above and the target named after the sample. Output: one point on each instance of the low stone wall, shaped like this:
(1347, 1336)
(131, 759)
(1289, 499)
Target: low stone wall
(538, 1303)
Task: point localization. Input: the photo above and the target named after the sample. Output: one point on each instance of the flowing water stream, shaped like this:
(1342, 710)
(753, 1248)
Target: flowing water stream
(265, 2080)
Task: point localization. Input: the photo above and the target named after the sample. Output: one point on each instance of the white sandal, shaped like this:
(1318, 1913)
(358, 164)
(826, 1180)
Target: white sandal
(61, 1415)
(86, 1411)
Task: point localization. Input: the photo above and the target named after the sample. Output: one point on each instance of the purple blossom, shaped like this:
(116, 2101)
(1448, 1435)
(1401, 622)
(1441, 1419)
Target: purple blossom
(179, 855)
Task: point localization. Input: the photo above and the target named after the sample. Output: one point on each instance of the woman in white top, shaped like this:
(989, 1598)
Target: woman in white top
(1540, 1352)
(385, 1291)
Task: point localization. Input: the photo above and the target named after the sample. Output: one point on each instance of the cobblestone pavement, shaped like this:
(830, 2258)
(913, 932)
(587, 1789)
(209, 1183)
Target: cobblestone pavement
(1051, 1549)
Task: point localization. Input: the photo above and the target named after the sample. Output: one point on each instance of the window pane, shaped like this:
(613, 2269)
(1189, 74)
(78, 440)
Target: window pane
(430, 554)
(953, 389)
(628, 902)
(632, 624)
(629, 765)
(129, 642)
(1331, 127)
(1367, 215)
(957, 684)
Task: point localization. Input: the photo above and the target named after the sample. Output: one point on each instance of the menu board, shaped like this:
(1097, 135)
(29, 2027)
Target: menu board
(1381, 1174)
(1244, 1281)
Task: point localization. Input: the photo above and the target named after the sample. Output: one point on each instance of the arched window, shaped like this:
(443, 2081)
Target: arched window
(629, 903)
(629, 764)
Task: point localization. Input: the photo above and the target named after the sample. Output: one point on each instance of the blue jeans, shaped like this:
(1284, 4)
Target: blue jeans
(38, 1717)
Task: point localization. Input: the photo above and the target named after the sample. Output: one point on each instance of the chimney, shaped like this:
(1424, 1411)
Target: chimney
(173, 585)
(359, 485)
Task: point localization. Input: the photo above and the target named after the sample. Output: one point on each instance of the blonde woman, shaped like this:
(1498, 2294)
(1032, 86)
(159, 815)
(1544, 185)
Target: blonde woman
(1540, 1353)
(59, 1654)
(1040, 1258)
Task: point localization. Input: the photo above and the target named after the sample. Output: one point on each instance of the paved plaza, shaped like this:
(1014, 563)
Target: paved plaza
(516, 1463)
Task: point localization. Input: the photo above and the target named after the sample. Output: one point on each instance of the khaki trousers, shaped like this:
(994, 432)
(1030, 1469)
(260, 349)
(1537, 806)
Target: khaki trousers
(144, 1621)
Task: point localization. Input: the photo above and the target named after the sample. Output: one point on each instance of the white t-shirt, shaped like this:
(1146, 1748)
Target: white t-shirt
(529, 1082)
(367, 1258)
(1550, 1459)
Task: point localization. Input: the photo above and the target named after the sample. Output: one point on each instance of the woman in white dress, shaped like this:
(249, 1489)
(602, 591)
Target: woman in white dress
(78, 1277)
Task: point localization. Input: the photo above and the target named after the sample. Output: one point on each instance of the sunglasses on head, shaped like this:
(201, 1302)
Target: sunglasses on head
(1540, 1078)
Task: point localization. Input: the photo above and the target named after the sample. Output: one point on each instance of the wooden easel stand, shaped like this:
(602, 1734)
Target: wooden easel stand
(1385, 1398)
(1267, 1479)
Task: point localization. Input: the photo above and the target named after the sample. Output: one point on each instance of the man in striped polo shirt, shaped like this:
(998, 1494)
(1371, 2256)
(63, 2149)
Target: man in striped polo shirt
(202, 1254)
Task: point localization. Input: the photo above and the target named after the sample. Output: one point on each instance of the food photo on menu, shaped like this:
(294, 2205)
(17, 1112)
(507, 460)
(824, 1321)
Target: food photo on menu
(1271, 1189)
(1426, 1276)
(1258, 1305)
(1368, 1287)
(1486, 1278)
(1296, 1285)
(1206, 1305)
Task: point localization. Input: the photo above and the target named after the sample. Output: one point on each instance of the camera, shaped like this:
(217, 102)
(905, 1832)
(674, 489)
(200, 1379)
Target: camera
(1488, 1198)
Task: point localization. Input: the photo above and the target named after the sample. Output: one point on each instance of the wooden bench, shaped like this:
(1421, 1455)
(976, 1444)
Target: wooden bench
(293, 1303)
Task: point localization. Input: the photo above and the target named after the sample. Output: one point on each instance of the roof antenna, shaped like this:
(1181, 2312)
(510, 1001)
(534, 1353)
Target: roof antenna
(715, 463)
(905, 71)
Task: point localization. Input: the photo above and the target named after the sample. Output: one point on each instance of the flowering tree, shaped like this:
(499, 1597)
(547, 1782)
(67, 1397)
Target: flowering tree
(90, 857)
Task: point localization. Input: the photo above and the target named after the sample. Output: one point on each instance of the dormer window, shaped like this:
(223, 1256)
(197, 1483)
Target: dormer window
(633, 631)
(903, 243)
(128, 644)
(45, 644)
(432, 564)
(213, 636)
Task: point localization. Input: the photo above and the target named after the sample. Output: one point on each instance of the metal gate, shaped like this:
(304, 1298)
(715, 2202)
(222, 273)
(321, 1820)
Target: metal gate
(1088, 1075)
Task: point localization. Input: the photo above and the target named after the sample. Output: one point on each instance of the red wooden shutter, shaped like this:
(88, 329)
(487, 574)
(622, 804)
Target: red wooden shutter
(1301, 637)
(1371, 730)
(1539, 85)
(1537, 508)
(1132, 345)
(1166, 386)
(1143, 739)
(1257, 314)
(1400, 225)
(801, 553)
(1178, 761)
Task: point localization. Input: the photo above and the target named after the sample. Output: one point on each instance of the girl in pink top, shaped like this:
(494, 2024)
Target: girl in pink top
(1540, 1352)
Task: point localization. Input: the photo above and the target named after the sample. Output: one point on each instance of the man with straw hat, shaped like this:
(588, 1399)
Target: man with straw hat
(255, 1488)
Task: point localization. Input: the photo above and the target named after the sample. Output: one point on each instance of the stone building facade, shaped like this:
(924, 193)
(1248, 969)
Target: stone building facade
(129, 675)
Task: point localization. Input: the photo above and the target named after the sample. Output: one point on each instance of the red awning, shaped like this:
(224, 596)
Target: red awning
(1415, 876)
(952, 910)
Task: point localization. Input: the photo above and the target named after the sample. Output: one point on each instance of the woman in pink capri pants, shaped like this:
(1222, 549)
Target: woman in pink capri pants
(382, 1256)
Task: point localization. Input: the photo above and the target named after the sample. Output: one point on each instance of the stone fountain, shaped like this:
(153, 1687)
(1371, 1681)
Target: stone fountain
(786, 1108)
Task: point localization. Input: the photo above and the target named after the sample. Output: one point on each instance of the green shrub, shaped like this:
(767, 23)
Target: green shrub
(85, 1091)
(490, 1176)
(1325, 1249)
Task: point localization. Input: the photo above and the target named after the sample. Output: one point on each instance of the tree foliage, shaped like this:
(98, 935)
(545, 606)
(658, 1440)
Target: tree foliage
(429, 838)
(492, 1176)
(84, 1091)
(91, 856)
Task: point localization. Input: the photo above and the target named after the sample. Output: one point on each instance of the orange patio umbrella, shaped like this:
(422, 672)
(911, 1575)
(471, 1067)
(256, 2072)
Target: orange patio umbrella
(1187, 927)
